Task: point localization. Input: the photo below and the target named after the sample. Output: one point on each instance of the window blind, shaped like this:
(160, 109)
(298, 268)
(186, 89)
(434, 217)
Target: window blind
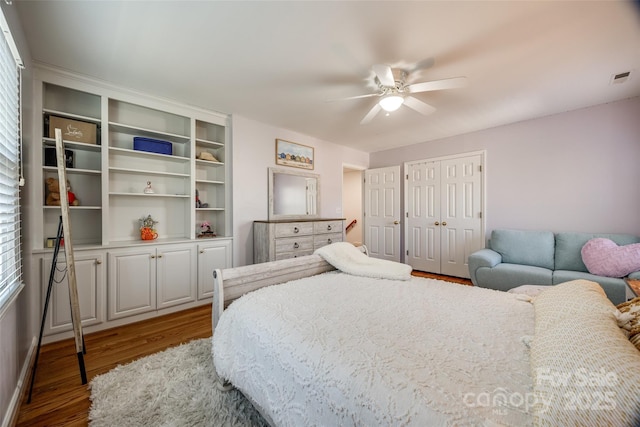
(10, 245)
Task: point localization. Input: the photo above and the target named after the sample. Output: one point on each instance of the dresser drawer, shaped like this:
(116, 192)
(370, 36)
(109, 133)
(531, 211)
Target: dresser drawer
(292, 244)
(289, 229)
(287, 255)
(326, 239)
(327, 227)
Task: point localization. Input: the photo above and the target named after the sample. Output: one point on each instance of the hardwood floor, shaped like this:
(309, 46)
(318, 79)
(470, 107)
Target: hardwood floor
(459, 280)
(59, 398)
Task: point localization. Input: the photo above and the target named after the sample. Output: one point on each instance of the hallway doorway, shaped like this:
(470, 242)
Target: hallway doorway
(352, 204)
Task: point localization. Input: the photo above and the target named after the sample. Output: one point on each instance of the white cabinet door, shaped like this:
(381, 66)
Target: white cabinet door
(211, 255)
(132, 282)
(176, 274)
(90, 280)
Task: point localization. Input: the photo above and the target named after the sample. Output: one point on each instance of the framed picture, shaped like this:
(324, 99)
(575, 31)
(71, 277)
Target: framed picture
(292, 154)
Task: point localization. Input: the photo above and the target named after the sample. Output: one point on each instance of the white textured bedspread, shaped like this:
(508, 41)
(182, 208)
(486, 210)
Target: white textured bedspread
(341, 350)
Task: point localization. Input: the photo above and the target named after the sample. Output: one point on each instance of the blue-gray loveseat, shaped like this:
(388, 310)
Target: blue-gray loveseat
(519, 257)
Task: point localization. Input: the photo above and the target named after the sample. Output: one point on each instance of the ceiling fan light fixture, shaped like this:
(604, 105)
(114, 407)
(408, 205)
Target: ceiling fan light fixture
(391, 102)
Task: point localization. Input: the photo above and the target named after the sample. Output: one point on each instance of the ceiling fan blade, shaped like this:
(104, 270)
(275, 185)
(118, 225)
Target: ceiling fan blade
(369, 95)
(415, 72)
(452, 83)
(371, 114)
(423, 65)
(418, 105)
(384, 74)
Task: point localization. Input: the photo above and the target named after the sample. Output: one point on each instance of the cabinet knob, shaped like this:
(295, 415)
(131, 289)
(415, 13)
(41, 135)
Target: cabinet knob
(201, 251)
(296, 245)
(296, 229)
(98, 262)
(160, 256)
(329, 241)
(153, 256)
(396, 222)
(437, 223)
(328, 227)
(444, 223)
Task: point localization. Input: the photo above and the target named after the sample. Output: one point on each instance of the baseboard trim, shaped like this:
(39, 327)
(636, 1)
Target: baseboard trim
(11, 416)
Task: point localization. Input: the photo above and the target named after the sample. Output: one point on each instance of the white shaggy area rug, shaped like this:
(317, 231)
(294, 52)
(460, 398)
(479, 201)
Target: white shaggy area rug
(175, 387)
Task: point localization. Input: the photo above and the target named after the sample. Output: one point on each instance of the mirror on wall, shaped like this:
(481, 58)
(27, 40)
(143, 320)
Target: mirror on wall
(293, 195)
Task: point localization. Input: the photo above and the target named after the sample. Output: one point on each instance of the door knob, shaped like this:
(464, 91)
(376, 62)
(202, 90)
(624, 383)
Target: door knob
(444, 223)
(396, 222)
(437, 223)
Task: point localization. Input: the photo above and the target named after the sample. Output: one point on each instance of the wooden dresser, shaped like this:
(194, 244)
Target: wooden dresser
(282, 239)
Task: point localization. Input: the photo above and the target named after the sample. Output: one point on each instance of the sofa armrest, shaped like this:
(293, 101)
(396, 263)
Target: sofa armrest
(482, 258)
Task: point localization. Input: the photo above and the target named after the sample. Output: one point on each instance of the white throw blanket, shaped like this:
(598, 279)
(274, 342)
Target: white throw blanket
(349, 259)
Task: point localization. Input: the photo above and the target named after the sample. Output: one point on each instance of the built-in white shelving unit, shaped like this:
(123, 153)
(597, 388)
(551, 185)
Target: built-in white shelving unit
(109, 179)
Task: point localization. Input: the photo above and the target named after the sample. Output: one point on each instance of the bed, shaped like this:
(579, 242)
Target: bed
(310, 344)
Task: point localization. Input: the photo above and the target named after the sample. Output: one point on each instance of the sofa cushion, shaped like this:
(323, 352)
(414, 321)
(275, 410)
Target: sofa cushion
(615, 288)
(505, 276)
(569, 247)
(605, 258)
(534, 248)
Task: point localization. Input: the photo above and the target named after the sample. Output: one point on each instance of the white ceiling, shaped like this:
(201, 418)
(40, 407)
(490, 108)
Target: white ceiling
(278, 62)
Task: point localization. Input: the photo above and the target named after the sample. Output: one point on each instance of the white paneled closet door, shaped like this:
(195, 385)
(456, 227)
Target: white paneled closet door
(423, 216)
(444, 213)
(382, 212)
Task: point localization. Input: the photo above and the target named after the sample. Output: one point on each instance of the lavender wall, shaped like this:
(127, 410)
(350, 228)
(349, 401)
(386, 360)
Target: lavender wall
(254, 153)
(575, 171)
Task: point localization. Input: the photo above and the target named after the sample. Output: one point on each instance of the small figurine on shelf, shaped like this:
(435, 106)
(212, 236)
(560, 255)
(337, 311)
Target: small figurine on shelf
(199, 204)
(147, 228)
(148, 189)
(206, 231)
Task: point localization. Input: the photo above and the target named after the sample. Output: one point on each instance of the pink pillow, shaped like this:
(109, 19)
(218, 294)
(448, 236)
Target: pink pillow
(604, 257)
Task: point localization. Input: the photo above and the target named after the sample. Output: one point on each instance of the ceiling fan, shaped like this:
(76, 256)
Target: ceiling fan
(394, 91)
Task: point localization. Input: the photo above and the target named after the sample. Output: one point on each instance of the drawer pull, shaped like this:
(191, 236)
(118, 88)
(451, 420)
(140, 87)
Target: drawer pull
(329, 227)
(296, 245)
(296, 229)
(329, 241)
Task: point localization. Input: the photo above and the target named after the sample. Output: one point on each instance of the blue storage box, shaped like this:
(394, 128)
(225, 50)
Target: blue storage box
(152, 145)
